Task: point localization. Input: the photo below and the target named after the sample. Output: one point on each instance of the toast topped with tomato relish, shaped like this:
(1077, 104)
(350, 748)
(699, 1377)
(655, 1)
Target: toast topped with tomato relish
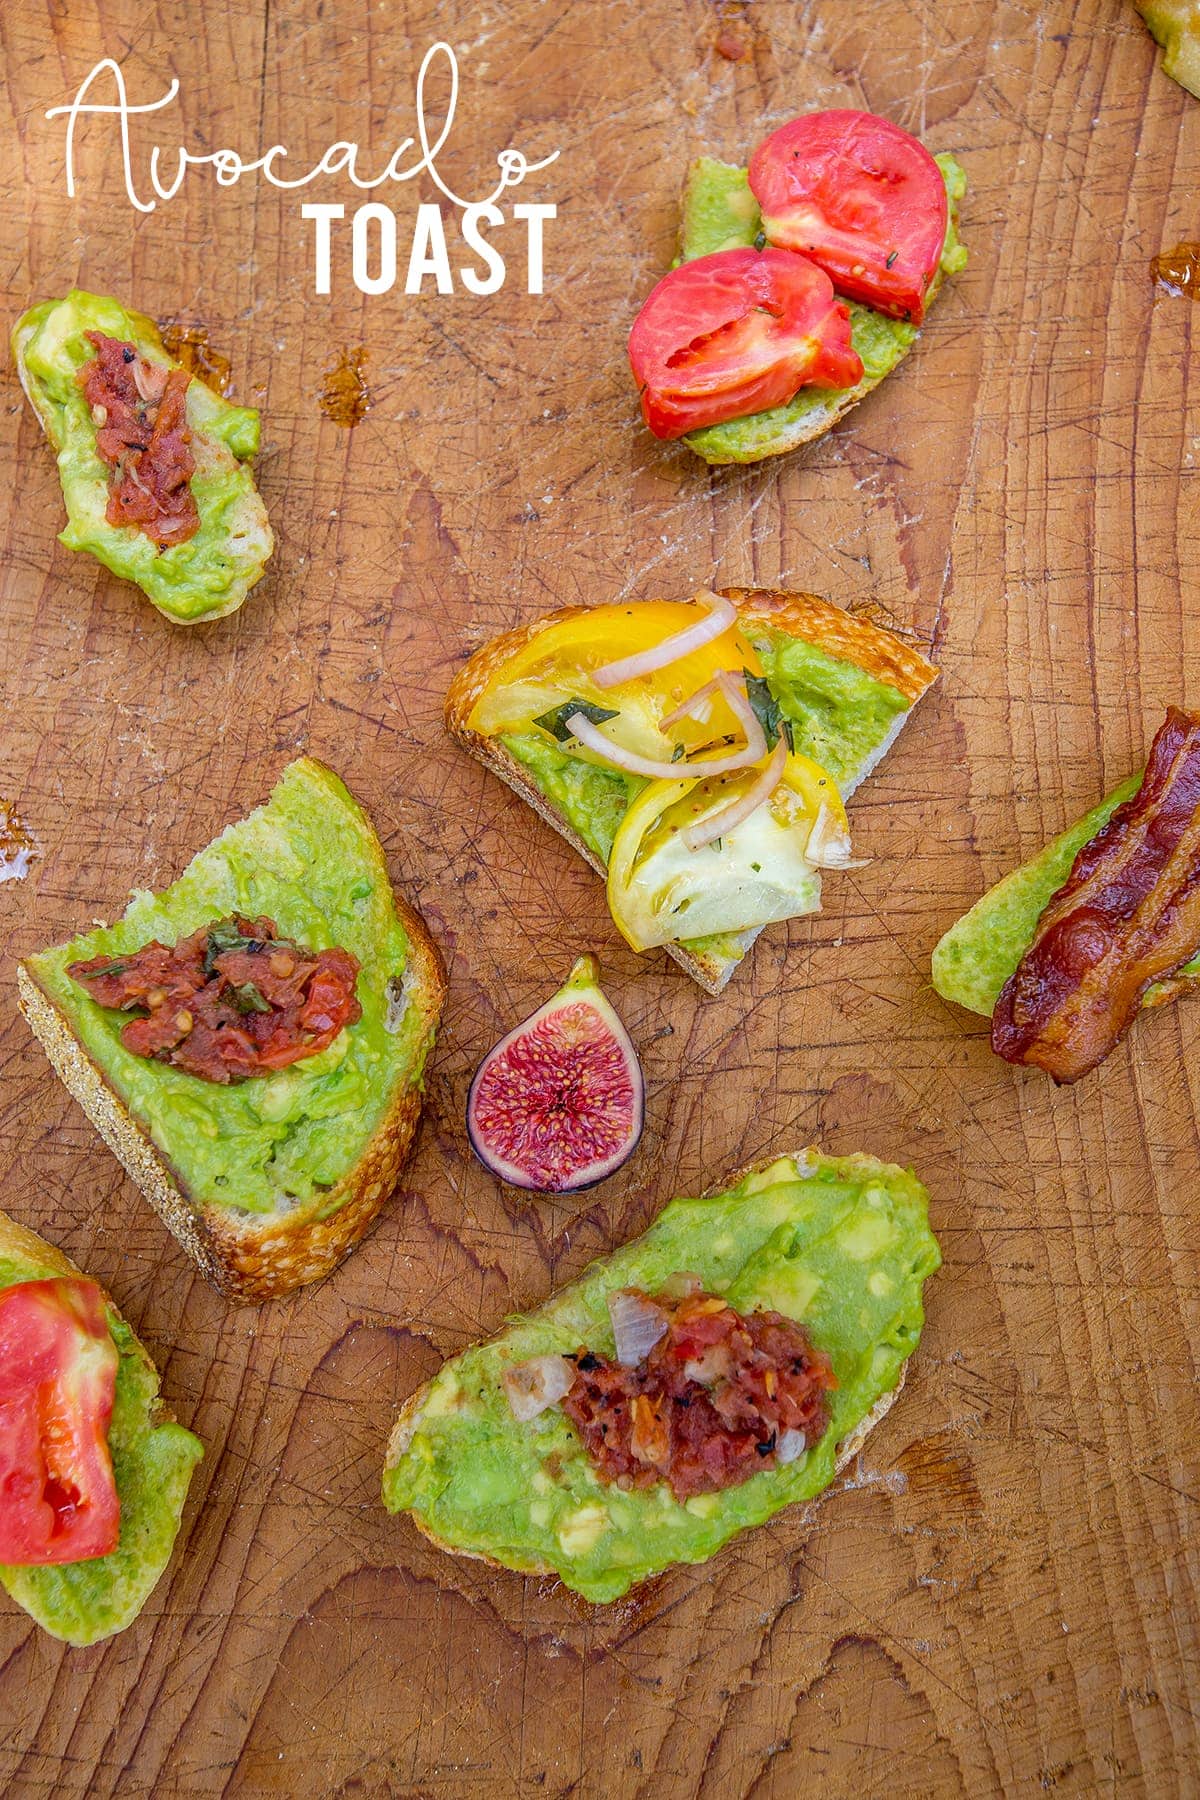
(251, 1041)
(155, 467)
(697, 754)
(801, 281)
(94, 1470)
(726, 1364)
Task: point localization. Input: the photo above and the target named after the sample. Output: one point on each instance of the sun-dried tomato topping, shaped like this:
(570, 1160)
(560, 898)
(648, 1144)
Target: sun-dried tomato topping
(1127, 915)
(231, 1001)
(140, 411)
(709, 1406)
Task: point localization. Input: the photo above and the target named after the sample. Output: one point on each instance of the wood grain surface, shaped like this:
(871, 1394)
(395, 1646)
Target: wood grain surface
(1002, 1597)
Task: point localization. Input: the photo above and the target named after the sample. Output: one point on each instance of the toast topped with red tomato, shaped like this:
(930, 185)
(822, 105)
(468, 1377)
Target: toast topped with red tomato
(94, 1470)
(697, 753)
(801, 282)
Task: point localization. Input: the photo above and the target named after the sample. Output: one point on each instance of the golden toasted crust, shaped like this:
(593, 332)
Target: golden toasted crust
(409, 1416)
(260, 1257)
(877, 652)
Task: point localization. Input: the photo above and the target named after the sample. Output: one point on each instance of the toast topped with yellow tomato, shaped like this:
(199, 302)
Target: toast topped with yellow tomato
(697, 753)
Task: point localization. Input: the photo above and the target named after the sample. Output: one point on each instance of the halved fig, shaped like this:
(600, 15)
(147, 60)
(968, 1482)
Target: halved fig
(558, 1104)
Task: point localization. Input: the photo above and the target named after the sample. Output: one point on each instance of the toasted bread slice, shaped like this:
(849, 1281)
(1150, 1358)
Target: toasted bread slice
(761, 1238)
(766, 615)
(719, 212)
(209, 574)
(269, 1183)
(153, 1459)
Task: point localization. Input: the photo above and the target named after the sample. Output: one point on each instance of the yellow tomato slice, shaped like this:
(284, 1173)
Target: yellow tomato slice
(660, 892)
(558, 664)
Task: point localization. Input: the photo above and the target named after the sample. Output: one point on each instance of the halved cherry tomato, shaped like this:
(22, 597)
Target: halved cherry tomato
(735, 333)
(860, 197)
(58, 1373)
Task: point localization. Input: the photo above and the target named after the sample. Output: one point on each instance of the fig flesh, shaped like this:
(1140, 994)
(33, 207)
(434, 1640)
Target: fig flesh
(558, 1104)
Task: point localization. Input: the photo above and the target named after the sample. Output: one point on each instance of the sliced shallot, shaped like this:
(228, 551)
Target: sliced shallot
(720, 614)
(637, 1326)
(534, 1386)
(593, 738)
(828, 844)
(699, 704)
(791, 1447)
(727, 818)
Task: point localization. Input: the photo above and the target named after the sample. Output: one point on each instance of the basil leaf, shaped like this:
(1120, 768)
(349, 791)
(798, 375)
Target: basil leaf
(247, 999)
(555, 721)
(223, 937)
(768, 711)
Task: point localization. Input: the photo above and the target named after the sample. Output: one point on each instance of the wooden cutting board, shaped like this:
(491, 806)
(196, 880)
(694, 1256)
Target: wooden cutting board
(1001, 1597)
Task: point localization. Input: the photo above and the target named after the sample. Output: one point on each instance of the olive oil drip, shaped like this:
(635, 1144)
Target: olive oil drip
(189, 345)
(1177, 271)
(17, 847)
(345, 396)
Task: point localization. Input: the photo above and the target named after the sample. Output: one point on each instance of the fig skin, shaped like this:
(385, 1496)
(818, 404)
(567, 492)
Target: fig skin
(558, 1105)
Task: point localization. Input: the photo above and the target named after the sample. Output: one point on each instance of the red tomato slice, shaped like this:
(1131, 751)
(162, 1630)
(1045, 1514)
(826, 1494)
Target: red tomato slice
(58, 1374)
(735, 333)
(860, 197)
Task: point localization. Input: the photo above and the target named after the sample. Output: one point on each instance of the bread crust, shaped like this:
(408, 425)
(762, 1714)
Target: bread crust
(255, 1258)
(877, 652)
(409, 1416)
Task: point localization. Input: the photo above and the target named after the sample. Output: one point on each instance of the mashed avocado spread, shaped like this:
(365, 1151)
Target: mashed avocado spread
(720, 213)
(212, 572)
(85, 1601)
(841, 1245)
(310, 861)
(977, 955)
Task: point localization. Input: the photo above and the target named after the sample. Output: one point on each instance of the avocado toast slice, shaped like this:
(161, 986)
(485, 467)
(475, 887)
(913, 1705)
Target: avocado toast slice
(976, 956)
(210, 573)
(719, 212)
(266, 1182)
(840, 1245)
(153, 1458)
(846, 686)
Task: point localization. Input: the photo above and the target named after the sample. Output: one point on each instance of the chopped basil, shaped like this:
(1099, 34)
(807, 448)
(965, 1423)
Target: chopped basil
(224, 937)
(767, 710)
(555, 721)
(247, 999)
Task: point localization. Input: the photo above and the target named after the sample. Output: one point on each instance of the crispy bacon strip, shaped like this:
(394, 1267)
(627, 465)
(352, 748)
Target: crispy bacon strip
(1127, 915)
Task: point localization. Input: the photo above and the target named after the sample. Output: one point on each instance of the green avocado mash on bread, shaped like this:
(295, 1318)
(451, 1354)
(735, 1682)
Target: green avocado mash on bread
(840, 1245)
(268, 1181)
(981, 951)
(152, 1457)
(720, 213)
(210, 573)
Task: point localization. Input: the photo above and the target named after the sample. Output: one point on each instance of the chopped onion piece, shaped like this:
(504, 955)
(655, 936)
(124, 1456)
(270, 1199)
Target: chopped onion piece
(790, 1447)
(727, 818)
(532, 1387)
(149, 379)
(637, 1326)
(829, 844)
(720, 614)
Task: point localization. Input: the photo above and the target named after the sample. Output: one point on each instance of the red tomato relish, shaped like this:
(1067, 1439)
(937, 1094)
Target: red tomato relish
(708, 1406)
(231, 1001)
(142, 433)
